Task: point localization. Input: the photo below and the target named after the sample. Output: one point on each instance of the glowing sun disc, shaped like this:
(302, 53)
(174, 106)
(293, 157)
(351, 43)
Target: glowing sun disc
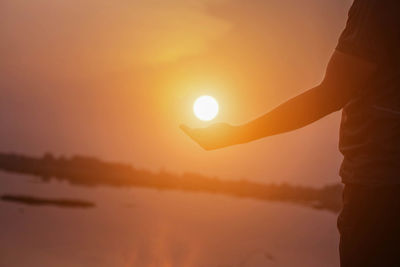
(206, 108)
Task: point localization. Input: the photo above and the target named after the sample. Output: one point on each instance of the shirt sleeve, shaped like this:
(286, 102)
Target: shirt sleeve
(370, 31)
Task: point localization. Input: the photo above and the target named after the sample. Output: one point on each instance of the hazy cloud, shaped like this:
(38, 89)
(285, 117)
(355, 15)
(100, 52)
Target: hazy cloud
(106, 34)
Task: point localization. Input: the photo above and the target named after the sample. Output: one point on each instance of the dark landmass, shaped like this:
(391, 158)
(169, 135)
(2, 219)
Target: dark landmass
(36, 201)
(89, 171)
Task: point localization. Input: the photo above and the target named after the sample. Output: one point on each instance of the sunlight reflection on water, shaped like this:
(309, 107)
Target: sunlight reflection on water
(145, 227)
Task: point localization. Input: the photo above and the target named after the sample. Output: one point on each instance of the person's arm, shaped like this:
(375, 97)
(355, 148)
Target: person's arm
(345, 75)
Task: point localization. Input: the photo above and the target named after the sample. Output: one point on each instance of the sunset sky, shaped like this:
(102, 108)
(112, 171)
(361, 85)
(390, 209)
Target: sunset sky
(115, 79)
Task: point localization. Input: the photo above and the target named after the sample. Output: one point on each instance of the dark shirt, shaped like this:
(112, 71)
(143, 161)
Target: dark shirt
(370, 128)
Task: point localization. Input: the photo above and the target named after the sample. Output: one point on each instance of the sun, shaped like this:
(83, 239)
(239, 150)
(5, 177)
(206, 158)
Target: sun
(206, 108)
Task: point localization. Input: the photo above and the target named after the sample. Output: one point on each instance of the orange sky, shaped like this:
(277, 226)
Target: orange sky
(115, 79)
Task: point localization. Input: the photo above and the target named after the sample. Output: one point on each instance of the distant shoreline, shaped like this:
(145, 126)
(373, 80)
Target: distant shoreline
(38, 201)
(90, 171)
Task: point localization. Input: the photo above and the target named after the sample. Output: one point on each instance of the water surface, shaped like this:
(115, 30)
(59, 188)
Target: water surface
(147, 227)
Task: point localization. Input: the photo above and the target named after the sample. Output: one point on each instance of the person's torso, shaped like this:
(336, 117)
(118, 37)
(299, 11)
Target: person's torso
(370, 128)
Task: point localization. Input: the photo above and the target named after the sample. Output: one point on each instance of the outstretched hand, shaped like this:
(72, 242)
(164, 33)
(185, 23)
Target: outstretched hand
(216, 136)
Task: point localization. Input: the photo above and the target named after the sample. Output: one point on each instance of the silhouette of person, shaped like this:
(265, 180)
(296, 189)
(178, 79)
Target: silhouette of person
(363, 80)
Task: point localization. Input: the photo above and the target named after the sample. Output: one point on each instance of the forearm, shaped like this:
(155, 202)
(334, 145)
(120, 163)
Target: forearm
(296, 113)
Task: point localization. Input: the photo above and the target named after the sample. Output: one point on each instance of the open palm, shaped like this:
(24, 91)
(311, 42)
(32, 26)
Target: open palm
(216, 136)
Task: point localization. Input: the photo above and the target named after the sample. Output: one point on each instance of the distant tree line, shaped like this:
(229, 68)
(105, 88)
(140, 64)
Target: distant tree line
(91, 171)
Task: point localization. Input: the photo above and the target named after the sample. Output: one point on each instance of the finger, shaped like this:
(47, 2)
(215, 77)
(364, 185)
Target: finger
(187, 130)
(191, 133)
